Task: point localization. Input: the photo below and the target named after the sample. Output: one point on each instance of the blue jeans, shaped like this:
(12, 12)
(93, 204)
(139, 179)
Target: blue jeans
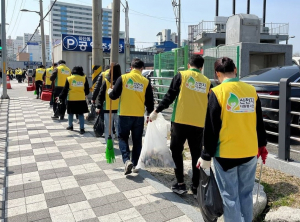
(236, 186)
(81, 120)
(136, 126)
(115, 120)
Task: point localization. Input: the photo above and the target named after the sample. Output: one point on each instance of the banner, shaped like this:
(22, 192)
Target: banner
(85, 43)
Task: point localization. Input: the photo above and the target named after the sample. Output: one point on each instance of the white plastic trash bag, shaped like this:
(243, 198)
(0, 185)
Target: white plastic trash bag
(155, 152)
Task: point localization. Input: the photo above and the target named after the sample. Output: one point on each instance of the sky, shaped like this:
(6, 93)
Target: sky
(148, 17)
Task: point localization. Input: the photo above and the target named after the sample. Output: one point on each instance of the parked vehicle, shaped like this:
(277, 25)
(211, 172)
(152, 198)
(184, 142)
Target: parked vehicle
(274, 75)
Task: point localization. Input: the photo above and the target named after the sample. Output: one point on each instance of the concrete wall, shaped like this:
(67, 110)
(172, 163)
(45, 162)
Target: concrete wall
(20, 64)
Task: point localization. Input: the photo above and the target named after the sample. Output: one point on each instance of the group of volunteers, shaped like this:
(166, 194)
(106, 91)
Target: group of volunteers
(20, 74)
(228, 117)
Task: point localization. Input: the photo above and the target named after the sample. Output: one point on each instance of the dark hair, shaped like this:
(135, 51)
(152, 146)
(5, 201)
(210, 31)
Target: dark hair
(117, 72)
(77, 70)
(55, 64)
(224, 65)
(137, 64)
(107, 67)
(41, 66)
(61, 62)
(196, 61)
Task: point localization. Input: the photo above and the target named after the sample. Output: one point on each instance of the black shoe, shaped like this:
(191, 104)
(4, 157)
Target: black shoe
(82, 131)
(37, 97)
(69, 128)
(54, 117)
(179, 189)
(128, 167)
(194, 191)
(61, 118)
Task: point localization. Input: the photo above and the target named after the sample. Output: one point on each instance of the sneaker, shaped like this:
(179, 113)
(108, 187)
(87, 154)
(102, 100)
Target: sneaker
(82, 131)
(54, 117)
(128, 167)
(70, 128)
(62, 118)
(134, 170)
(194, 191)
(37, 97)
(179, 189)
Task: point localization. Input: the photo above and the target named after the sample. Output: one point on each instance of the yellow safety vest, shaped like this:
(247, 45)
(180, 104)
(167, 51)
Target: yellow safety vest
(7, 72)
(238, 135)
(114, 104)
(62, 73)
(104, 74)
(76, 88)
(49, 72)
(132, 100)
(11, 72)
(19, 72)
(39, 74)
(191, 104)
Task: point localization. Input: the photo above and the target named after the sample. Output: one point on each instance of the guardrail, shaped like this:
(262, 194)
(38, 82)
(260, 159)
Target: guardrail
(284, 110)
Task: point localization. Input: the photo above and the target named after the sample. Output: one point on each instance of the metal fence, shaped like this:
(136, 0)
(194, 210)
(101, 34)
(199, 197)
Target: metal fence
(284, 110)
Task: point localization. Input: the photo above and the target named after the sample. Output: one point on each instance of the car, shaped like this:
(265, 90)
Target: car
(148, 73)
(274, 75)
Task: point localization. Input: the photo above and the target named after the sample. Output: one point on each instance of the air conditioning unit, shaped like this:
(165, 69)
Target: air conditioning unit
(220, 23)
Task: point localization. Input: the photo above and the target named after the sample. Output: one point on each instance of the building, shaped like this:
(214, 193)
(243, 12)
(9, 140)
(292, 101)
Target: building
(67, 18)
(174, 37)
(164, 36)
(18, 45)
(34, 46)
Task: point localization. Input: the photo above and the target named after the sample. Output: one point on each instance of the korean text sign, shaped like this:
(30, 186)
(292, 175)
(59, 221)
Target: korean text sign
(85, 43)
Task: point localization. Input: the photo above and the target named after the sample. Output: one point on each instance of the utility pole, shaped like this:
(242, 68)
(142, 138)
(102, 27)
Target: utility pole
(177, 12)
(264, 13)
(248, 7)
(42, 34)
(3, 27)
(97, 52)
(127, 43)
(114, 52)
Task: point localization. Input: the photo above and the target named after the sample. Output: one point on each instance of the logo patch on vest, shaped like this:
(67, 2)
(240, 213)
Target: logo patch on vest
(240, 105)
(66, 72)
(192, 84)
(77, 83)
(139, 87)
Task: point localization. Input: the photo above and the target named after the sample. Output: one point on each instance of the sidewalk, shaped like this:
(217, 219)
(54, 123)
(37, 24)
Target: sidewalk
(61, 176)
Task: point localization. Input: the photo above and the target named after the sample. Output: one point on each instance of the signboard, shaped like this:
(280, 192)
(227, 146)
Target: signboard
(32, 63)
(32, 43)
(85, 43)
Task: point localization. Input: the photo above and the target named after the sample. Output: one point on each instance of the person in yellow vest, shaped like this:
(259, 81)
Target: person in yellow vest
(235, 137)
(99, 82)
(19, 75)
(38, 78)
(189, 89)
(48, 83)
(104, 101)
(59, 77)
(11, 73)
(135, 92)
(75, 91)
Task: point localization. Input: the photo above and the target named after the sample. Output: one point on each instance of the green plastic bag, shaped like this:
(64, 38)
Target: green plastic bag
(34, 93)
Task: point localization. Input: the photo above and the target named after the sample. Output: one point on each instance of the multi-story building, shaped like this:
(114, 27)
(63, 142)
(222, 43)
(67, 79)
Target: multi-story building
(67, 18)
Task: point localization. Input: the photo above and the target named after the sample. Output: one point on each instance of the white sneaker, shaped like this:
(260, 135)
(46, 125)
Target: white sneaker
(128, 167)
(134, 170)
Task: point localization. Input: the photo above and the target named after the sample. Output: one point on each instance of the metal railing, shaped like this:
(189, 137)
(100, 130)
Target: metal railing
(218, 27)
(284, 110)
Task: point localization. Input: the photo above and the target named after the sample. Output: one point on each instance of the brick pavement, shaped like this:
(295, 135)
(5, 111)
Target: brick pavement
(61, 176)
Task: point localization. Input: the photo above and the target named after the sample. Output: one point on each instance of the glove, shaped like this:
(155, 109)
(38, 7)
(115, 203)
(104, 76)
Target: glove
(93, 101)
(203, 164)
(97, 110)
(153, 116)
(148, 120)
(109, 91)
(57, 99)
(263, 153)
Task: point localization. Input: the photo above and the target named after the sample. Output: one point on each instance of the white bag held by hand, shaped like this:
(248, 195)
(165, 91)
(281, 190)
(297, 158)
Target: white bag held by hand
(155, 152)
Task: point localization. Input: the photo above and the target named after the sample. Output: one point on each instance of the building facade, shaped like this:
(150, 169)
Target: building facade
(67, 18)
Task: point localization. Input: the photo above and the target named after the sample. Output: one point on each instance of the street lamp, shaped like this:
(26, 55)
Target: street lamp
(290, 37)
(42, 30)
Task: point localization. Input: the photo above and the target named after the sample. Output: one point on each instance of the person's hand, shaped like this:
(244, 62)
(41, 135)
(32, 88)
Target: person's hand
(263, 153)
(93, 101)
(56, 99)
(148, 120)
(109, 91)
(98, 111)
(153, 116)
(203, 164)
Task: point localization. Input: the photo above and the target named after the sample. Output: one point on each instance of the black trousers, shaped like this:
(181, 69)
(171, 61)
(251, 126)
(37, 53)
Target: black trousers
(38, 85)
(56, 93)
(179, 134)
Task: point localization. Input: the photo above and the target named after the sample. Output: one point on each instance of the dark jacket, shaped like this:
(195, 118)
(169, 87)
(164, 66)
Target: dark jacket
(97, 87)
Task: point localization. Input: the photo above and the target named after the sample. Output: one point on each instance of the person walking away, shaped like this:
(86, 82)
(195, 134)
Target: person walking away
(75, 90)
(135, 92)
(23, 74)
(104, 101)
(38, 75)
(48, 83)
(234, 129)
(59, 77)
(189, 89)
(19, 75)
(11, 74)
